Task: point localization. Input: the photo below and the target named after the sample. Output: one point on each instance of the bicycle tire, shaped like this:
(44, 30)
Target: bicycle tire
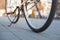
(47, 23)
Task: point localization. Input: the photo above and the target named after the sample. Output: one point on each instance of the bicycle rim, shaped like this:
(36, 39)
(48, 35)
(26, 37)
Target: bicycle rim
(36, 22)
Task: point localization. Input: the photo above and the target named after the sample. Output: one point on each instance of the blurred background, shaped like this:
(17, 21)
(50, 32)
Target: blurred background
(2, 8)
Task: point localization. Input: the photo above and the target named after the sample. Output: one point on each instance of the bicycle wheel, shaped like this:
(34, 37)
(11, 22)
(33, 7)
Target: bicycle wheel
(13, 12)
(38, 19)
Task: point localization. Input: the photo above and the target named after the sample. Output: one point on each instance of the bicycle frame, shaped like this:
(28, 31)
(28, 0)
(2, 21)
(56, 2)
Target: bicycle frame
(23, 2)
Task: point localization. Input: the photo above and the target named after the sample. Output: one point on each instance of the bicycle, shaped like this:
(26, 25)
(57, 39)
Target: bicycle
(36, 16)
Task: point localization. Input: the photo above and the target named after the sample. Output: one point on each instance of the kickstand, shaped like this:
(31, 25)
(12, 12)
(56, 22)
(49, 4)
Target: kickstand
(10, 24)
